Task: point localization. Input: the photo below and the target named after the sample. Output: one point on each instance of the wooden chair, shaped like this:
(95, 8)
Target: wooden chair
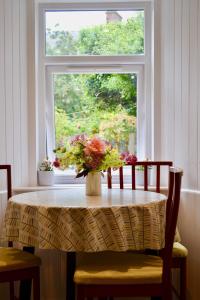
(16, 264)
(134, 275)
(180, 252)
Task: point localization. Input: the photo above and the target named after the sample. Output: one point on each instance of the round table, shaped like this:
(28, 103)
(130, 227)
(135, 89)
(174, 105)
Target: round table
(118, 220)
(68, 220)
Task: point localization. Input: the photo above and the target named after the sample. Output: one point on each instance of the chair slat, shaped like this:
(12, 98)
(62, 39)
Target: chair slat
(121, 178)
(133, 177)
(109, 178)
(158, 179)
(145, 165)
(146, 178)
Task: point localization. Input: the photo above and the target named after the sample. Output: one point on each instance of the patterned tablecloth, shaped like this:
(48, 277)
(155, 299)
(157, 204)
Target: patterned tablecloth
(68, 220)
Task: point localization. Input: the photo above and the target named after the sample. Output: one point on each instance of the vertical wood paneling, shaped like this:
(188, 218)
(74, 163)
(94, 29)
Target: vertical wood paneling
(170, 117)
(9, 81)
(180, 91)
(192, 113)
(16, 92)
(177, 82)
(157, 81)
(13, 88)
(164, 37)
(167, 81)
(198, 98)
(2, 87)
(185, 88)
(31, 93)
(23, 92)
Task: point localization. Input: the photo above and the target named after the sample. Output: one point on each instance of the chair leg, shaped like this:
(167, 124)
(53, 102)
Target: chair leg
(167, 295)
(36, 285)
(12, 291)
(80, 293)
(183, 271)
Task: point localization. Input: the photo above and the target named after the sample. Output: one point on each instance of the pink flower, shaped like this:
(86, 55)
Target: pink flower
(124, 154)
(79, 138)
(95, 147)
(130, 159)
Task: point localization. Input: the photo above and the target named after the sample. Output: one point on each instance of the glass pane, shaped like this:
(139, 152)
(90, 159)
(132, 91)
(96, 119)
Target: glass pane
(102, 104)
(94, 33)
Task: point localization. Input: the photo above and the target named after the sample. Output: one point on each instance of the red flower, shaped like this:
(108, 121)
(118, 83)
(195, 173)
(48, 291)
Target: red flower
(56, 163)
(130, 159)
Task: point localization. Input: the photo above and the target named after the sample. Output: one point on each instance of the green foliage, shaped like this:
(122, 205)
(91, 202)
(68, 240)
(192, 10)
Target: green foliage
(113, 38)
(59, 42)
(114, 126)
(112, 90)
(103, 104)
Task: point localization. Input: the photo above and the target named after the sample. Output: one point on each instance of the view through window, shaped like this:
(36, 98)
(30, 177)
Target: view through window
(90, 93)
(94, 33)
(102, 104)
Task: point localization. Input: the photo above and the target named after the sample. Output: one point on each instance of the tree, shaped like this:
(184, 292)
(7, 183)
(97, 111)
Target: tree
(113, 38)
(97, 103)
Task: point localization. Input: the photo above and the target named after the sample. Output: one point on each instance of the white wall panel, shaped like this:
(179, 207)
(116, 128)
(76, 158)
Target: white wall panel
(198, 95)
(16, 91)
(2, 87)
(13, 89)
(180, 92)
(23, 91)
(185, 50)
(193, 89)
(8, 50)
(180, 115)
(177, 80)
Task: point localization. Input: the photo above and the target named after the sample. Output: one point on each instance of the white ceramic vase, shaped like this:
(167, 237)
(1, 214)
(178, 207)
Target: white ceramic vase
(93, 184)
(46, 177)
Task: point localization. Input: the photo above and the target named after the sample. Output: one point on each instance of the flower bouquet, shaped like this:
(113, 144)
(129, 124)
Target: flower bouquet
(89, 155)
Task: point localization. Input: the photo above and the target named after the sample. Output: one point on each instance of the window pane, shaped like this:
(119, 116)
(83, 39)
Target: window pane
(102, 104)
(94, 32)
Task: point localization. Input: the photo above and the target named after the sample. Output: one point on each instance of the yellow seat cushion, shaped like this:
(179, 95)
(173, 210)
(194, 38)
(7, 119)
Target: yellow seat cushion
(119, 268)
(13, 259)
(179, 250)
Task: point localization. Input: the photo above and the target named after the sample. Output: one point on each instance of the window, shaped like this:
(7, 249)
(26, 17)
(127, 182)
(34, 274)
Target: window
(105, 32)
(94, 70)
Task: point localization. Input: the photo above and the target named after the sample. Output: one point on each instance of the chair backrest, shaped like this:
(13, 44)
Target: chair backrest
(9, 181)
(145, 165)
(9, 187)
(172, 208)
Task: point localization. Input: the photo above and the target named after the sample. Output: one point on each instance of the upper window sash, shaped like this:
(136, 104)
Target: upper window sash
(95, 6)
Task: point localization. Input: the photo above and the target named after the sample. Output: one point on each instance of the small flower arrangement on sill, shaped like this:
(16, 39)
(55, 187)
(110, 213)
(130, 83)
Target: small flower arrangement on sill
(46, 173)
(46, 165)
(87, 154)
(131, 159)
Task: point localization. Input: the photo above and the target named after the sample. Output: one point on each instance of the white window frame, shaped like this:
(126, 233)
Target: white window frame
(139, 64)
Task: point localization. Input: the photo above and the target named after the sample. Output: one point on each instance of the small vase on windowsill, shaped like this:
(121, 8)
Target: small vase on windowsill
(46, 173)
(93, 184)
(46, 178)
